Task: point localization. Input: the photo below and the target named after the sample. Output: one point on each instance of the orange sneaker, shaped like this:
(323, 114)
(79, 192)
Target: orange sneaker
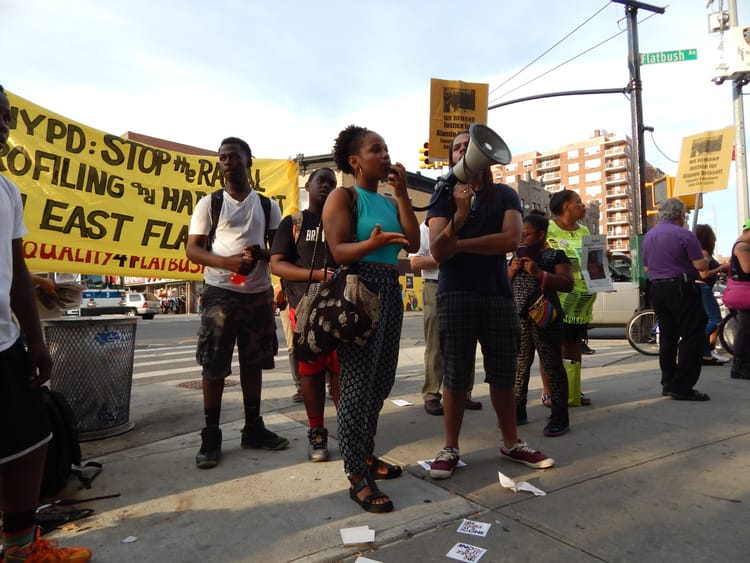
(47, 551)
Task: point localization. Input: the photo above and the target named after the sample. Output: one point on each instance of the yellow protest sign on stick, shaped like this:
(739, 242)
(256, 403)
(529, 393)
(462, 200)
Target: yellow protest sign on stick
(96, 203)
(454, 106)
(705, 159)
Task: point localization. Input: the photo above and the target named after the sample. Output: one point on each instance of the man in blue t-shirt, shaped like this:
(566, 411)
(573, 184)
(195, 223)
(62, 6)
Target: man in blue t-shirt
(672, 258)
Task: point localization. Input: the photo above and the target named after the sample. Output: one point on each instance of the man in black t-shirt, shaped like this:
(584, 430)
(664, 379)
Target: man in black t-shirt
(299, 256)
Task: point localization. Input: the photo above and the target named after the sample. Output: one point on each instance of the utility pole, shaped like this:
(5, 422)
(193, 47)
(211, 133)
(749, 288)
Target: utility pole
(638, 162)
(743, 210)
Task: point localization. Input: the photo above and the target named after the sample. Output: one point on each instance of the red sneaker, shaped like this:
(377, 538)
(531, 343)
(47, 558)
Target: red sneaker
(522, 453)
(443, 465)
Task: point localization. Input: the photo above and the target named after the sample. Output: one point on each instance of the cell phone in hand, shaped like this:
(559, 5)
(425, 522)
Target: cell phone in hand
(532, 251)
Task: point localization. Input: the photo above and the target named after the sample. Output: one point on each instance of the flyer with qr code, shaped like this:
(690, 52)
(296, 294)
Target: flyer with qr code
(466, 552)
(474, 528)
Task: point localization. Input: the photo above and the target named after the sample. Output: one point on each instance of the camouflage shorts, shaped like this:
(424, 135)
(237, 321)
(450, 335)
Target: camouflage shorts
(228, 317)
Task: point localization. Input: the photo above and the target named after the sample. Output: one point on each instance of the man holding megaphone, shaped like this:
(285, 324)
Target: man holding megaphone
(473, 224)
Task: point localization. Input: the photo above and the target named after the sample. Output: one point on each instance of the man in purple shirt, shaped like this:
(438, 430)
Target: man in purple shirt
(672, 258)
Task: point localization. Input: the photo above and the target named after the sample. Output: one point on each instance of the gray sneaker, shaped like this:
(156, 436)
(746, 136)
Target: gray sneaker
(318, 449)
(259, 437)
(210, 452)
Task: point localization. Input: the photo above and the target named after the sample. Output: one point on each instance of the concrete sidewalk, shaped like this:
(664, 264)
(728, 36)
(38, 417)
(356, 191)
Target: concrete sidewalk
(639, 477)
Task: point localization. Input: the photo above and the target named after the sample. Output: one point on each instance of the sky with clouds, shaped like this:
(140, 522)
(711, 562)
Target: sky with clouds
(288, 76)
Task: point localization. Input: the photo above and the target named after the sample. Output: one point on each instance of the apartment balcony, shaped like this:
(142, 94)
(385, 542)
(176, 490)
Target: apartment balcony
(615, 193)
(548, 164)
(621, 150)
(615, 164)
(618, 236)
(550, 177)
(618, 220)
(615, 179)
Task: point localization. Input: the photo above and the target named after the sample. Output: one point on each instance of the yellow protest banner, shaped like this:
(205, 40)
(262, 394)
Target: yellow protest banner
(454, 106)
(96, 203)
(705, 159)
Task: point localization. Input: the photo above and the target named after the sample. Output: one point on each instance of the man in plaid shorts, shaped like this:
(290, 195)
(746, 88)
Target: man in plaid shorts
(472, 230)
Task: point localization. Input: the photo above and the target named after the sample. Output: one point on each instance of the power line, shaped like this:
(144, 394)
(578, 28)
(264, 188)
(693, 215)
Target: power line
(651, 133)
(548, 50)
(568, 61)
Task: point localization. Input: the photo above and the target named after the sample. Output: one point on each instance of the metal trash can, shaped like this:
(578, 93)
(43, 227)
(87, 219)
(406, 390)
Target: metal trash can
(93, 367)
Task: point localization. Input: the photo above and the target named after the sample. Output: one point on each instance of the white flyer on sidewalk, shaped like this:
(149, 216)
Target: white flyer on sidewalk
(594, 264)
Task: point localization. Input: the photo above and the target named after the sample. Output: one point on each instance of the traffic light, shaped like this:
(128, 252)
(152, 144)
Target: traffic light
(424, 156)
(663, 188)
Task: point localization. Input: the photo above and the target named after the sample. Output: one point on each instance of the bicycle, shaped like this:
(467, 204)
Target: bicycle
(642, 332)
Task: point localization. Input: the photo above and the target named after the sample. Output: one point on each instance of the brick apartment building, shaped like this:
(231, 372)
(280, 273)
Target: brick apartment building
(598, 168)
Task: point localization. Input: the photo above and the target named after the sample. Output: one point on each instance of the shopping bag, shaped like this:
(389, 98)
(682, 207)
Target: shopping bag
(573, 371)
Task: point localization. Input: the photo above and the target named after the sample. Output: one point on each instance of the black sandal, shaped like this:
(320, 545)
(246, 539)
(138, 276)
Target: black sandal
(376, 494)
(375, 467)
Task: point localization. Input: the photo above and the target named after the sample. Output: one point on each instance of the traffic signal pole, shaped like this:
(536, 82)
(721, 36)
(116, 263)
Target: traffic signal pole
(638, 163)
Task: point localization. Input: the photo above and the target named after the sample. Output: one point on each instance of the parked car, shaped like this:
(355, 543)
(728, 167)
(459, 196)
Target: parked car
(614, 308)
(145, 305)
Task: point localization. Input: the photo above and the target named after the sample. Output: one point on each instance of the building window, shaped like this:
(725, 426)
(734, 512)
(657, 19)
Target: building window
(593, 176)
(588, 151)
(511, 167)
(573, 154)
(573, 167)
(574, 180)
(510, 179)
(528, 163)
(593, 163)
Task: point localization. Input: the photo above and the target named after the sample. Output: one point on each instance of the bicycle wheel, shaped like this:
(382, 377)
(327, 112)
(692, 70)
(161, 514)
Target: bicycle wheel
(727, 331)
(642, 332)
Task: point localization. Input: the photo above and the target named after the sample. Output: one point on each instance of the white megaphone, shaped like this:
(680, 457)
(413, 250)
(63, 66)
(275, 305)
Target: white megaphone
(485, 148)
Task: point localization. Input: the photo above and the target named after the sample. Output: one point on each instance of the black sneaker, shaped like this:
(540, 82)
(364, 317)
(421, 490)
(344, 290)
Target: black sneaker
(318, 449)
(259, 437)
(556, 426)
(210, 452)
(521, 416)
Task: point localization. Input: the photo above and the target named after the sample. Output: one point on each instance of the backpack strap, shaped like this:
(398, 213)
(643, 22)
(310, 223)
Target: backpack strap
(265, 203)
(296, 224)
(217, 200)
(86, 477)
(353, 213)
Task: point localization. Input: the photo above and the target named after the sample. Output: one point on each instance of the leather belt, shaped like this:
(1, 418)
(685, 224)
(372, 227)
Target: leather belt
(678, 279)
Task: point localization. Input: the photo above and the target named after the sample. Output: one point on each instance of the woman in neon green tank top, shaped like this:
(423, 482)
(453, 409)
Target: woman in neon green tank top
(566, 233)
